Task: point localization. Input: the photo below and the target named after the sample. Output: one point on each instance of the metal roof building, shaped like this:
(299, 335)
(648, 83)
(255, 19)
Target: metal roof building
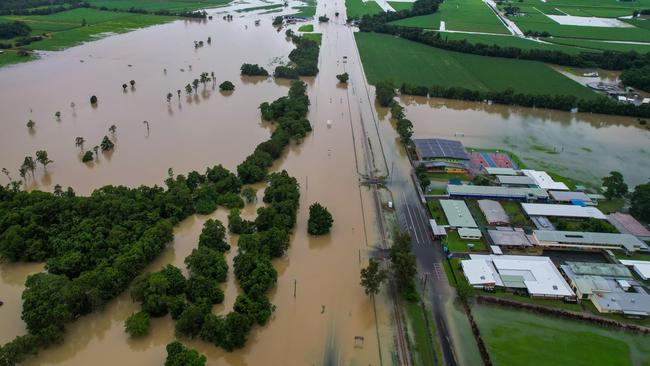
(543, 180)
(515, 180)
(568, 196)
(586, 240)
(500, 171)
(628, 225)
(538, 275)
(509, 237)
(457, 214)
(469, 233)
(437, 230)
(494, 212)
(497, 193)
(557, 210)
(642, 268)
(440, 149)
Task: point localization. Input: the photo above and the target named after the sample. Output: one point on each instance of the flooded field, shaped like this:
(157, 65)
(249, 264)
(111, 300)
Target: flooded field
(583, 146)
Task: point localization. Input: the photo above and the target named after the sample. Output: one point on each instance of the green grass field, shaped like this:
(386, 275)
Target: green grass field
(65, 28)
(398, 5)
(420, 344)
(600, 45)
(460, 15)
(307, 10)
(386, 57)
(10, 58)
(263, 7)
(153, 5)
(314, 37)
(456, 244)
(511, 41)
(516, 337)
(306, 28)
(436, 212)
(359, 8)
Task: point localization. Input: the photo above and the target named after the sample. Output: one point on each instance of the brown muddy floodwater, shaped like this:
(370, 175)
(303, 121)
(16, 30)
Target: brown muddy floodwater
(318, 326)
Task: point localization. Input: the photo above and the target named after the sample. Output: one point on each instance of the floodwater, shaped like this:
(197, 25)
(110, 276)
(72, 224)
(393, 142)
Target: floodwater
(321, 307)
(578, 145)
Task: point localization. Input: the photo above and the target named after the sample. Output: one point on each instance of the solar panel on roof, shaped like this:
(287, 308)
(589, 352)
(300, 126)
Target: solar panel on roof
(441, 148)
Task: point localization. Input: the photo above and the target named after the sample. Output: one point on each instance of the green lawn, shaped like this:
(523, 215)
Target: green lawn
(153, 5)
(609, 206)
(512, 41)
(460, 15)
(445, 177)
(436, 212)
(386, 57)
(65, 28)
(398, 5)
(515, 337)
(359, 8)
(456, 244)
(553, 303)
(10, 58)
(600, 45)
(307, 10)
(306, 28)
(314, 37)
(420, 344)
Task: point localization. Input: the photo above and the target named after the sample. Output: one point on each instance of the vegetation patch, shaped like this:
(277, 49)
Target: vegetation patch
(359, 8)
(306, 28)
(456, 244)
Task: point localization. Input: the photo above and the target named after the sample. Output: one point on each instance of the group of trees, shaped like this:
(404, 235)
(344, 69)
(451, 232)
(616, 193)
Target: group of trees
(615, 186)
(375, 23)
(289, 113)
(304, 59)
(640, 202)
(638, 77)
(10, 30)
(403, 265)
(179, 355)
(253, 70)
(343, 78)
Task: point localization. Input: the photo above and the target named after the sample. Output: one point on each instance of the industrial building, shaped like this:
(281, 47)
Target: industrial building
(642, 268)
(515, 181)
(588, 241)
(493, 212)
(510, 238)
(627, 224)
(497, 193)
(544, 181)
(457, 214)
(557, 210)
(535, 275)
(610, 287)
(442, 155)
(576, 198)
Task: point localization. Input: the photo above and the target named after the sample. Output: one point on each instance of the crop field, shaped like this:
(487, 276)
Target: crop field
(419, 64)
(306, 10)
(399, 5)
(512, 41)
(459, 15)
(65, 29)
(154, 5)
(516, 337)
(600, 45)
(359, 8)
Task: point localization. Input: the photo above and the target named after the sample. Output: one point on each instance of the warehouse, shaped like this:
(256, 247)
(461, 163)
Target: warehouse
(497, 193)
(494, 212)
(557, 210)
(588, 241)
(442, 155)
(515, 181)
(543, 180)
(536, 275)
(457, 214)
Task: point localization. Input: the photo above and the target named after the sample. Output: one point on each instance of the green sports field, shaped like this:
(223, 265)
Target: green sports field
(65, 30)
(359, 8)
(386, 57)
(516, 337)
(459, 15)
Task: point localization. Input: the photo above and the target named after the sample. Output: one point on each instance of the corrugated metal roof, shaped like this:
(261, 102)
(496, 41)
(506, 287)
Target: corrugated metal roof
(457, 213)
(558, 210)
(489, 191)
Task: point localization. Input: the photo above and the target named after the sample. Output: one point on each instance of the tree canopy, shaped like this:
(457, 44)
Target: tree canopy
(320, 220)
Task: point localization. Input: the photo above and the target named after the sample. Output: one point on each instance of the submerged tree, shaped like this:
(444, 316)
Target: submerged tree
(124, 86)
(195, 85)
(41, 157)
(179, 355)
(29, 164)
(320, 220)
(204, 78)
(93, 100)
(169, 97)
(188, 89)
(226, 86)
(107, 144)
(137, 324)
(31, 124)
(372, 277)
(112, 129)
(132, 82)
(79, 142)
(57, 115)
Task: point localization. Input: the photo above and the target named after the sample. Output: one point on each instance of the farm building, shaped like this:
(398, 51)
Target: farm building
(642, 268)
(469, 233)
(570, 197)
(494, 212)
(515, 181)
(544, 181)
(610, 287)
(627, 224)
(588, 241)
(457, 214)
(557, 210)
(497, 193)
(509, 237)
(500, 171)
(536, 275)
(442, 155)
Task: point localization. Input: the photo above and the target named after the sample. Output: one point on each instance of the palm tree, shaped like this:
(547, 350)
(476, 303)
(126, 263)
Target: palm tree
(195, 85)
(79, 142)
(188, 89)
(22, 171)
(179, 94)
(41, 157)
(31, 124)
(169, 97)
(204, 78)
(29, 164)
(112, 130)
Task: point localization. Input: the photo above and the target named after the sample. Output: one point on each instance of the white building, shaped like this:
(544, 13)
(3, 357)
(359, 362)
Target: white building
(544, 181)
(642, 268)
(559, 210)
(537, 275)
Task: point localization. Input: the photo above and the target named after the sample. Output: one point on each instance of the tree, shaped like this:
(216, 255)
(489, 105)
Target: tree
(93, 100)
(124, 86)
(88, 156)
(403, 264)
(79, 142)
(204, 78)
(132, 82)
(372, 277)
(640, 202)
(615, 184)
(464, 290)
(385, 91)
(169, 97)
(404, 128)
(112, 129)
(226, 86)
(41, 157)
(179, 355)
(343, 78)
(29, 164)
(320, 220)
(213, 236)
(195, 85)
(249, 194)
(137, 324)
(107, 144)
(84, 22)
(188, 89)
(31, 124)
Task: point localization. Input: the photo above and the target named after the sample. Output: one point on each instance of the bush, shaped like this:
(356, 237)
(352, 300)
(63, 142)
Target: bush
(93, 100)
(385, 92)
(137, 324)
(343, 78)
(285, 72)
(320, 220)
(226, 86)
(253, 70)
(88, 156)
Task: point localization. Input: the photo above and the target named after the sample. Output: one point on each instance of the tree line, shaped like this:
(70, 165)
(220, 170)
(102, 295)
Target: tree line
(638, 77)
(304, 58)
(10, 30)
